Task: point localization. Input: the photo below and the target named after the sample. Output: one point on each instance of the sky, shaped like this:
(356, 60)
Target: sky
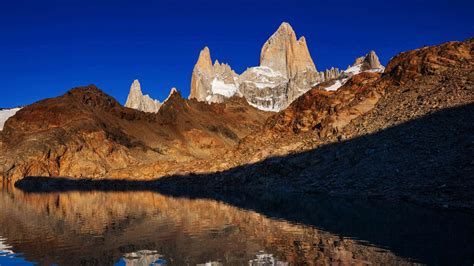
(48, 47)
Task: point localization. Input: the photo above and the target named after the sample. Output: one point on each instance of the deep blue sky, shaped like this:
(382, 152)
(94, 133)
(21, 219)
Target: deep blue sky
(48, 47)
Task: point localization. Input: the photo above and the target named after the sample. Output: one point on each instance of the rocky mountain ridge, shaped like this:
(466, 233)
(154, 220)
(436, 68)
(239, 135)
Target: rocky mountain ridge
(88, 133)
(286, 71)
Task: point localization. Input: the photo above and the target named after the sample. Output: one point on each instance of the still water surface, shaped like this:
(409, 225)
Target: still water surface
(143, 228)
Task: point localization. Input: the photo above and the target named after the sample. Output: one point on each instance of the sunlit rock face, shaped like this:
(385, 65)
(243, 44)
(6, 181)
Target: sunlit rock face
(105, 227)
(282, 52)
(286, 71)
(136, 100)
(87, 133)
(212, 83)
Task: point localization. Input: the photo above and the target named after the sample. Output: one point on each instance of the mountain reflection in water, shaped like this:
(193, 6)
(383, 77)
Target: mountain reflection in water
(142, 228)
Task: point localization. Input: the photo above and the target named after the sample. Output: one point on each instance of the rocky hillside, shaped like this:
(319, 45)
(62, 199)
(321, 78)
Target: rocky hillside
(87, 133)
(415, 84)
(404, 134)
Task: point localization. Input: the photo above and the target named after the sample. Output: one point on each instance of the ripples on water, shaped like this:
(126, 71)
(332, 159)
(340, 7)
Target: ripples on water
(143, 228)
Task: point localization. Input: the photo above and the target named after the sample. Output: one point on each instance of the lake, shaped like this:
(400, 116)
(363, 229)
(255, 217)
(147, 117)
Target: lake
(146, 227)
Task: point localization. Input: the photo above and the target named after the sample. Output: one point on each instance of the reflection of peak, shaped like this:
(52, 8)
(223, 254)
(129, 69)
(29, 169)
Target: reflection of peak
(263, 258)
(143, 257)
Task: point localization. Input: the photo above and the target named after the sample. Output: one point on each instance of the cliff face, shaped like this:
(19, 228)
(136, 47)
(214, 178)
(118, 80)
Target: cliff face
(282, 52)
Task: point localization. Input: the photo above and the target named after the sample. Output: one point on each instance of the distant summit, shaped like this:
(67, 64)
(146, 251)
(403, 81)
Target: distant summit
(286, 72)
(137, 100)
(212, 83)
(282, 52)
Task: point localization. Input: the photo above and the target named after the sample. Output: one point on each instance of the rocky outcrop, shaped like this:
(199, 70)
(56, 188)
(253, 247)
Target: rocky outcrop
(136, 100)
(212, 83)
(329, 74)
(369, 62)
(433, 60)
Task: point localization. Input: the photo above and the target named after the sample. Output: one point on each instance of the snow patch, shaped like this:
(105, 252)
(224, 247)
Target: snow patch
(266, 71)
(219, 87)
(264, 108)
(263, 85)
(354, 70)
(5, 114)
(377, 70)
(335, 86)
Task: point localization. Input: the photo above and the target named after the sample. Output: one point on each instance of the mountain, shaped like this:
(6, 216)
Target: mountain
(286, 71)
(136, 100)
(88, 133)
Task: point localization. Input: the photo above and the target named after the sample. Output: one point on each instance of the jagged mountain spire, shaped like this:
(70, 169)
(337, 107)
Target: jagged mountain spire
(212, 83)
(284, 53)
(136, 99)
